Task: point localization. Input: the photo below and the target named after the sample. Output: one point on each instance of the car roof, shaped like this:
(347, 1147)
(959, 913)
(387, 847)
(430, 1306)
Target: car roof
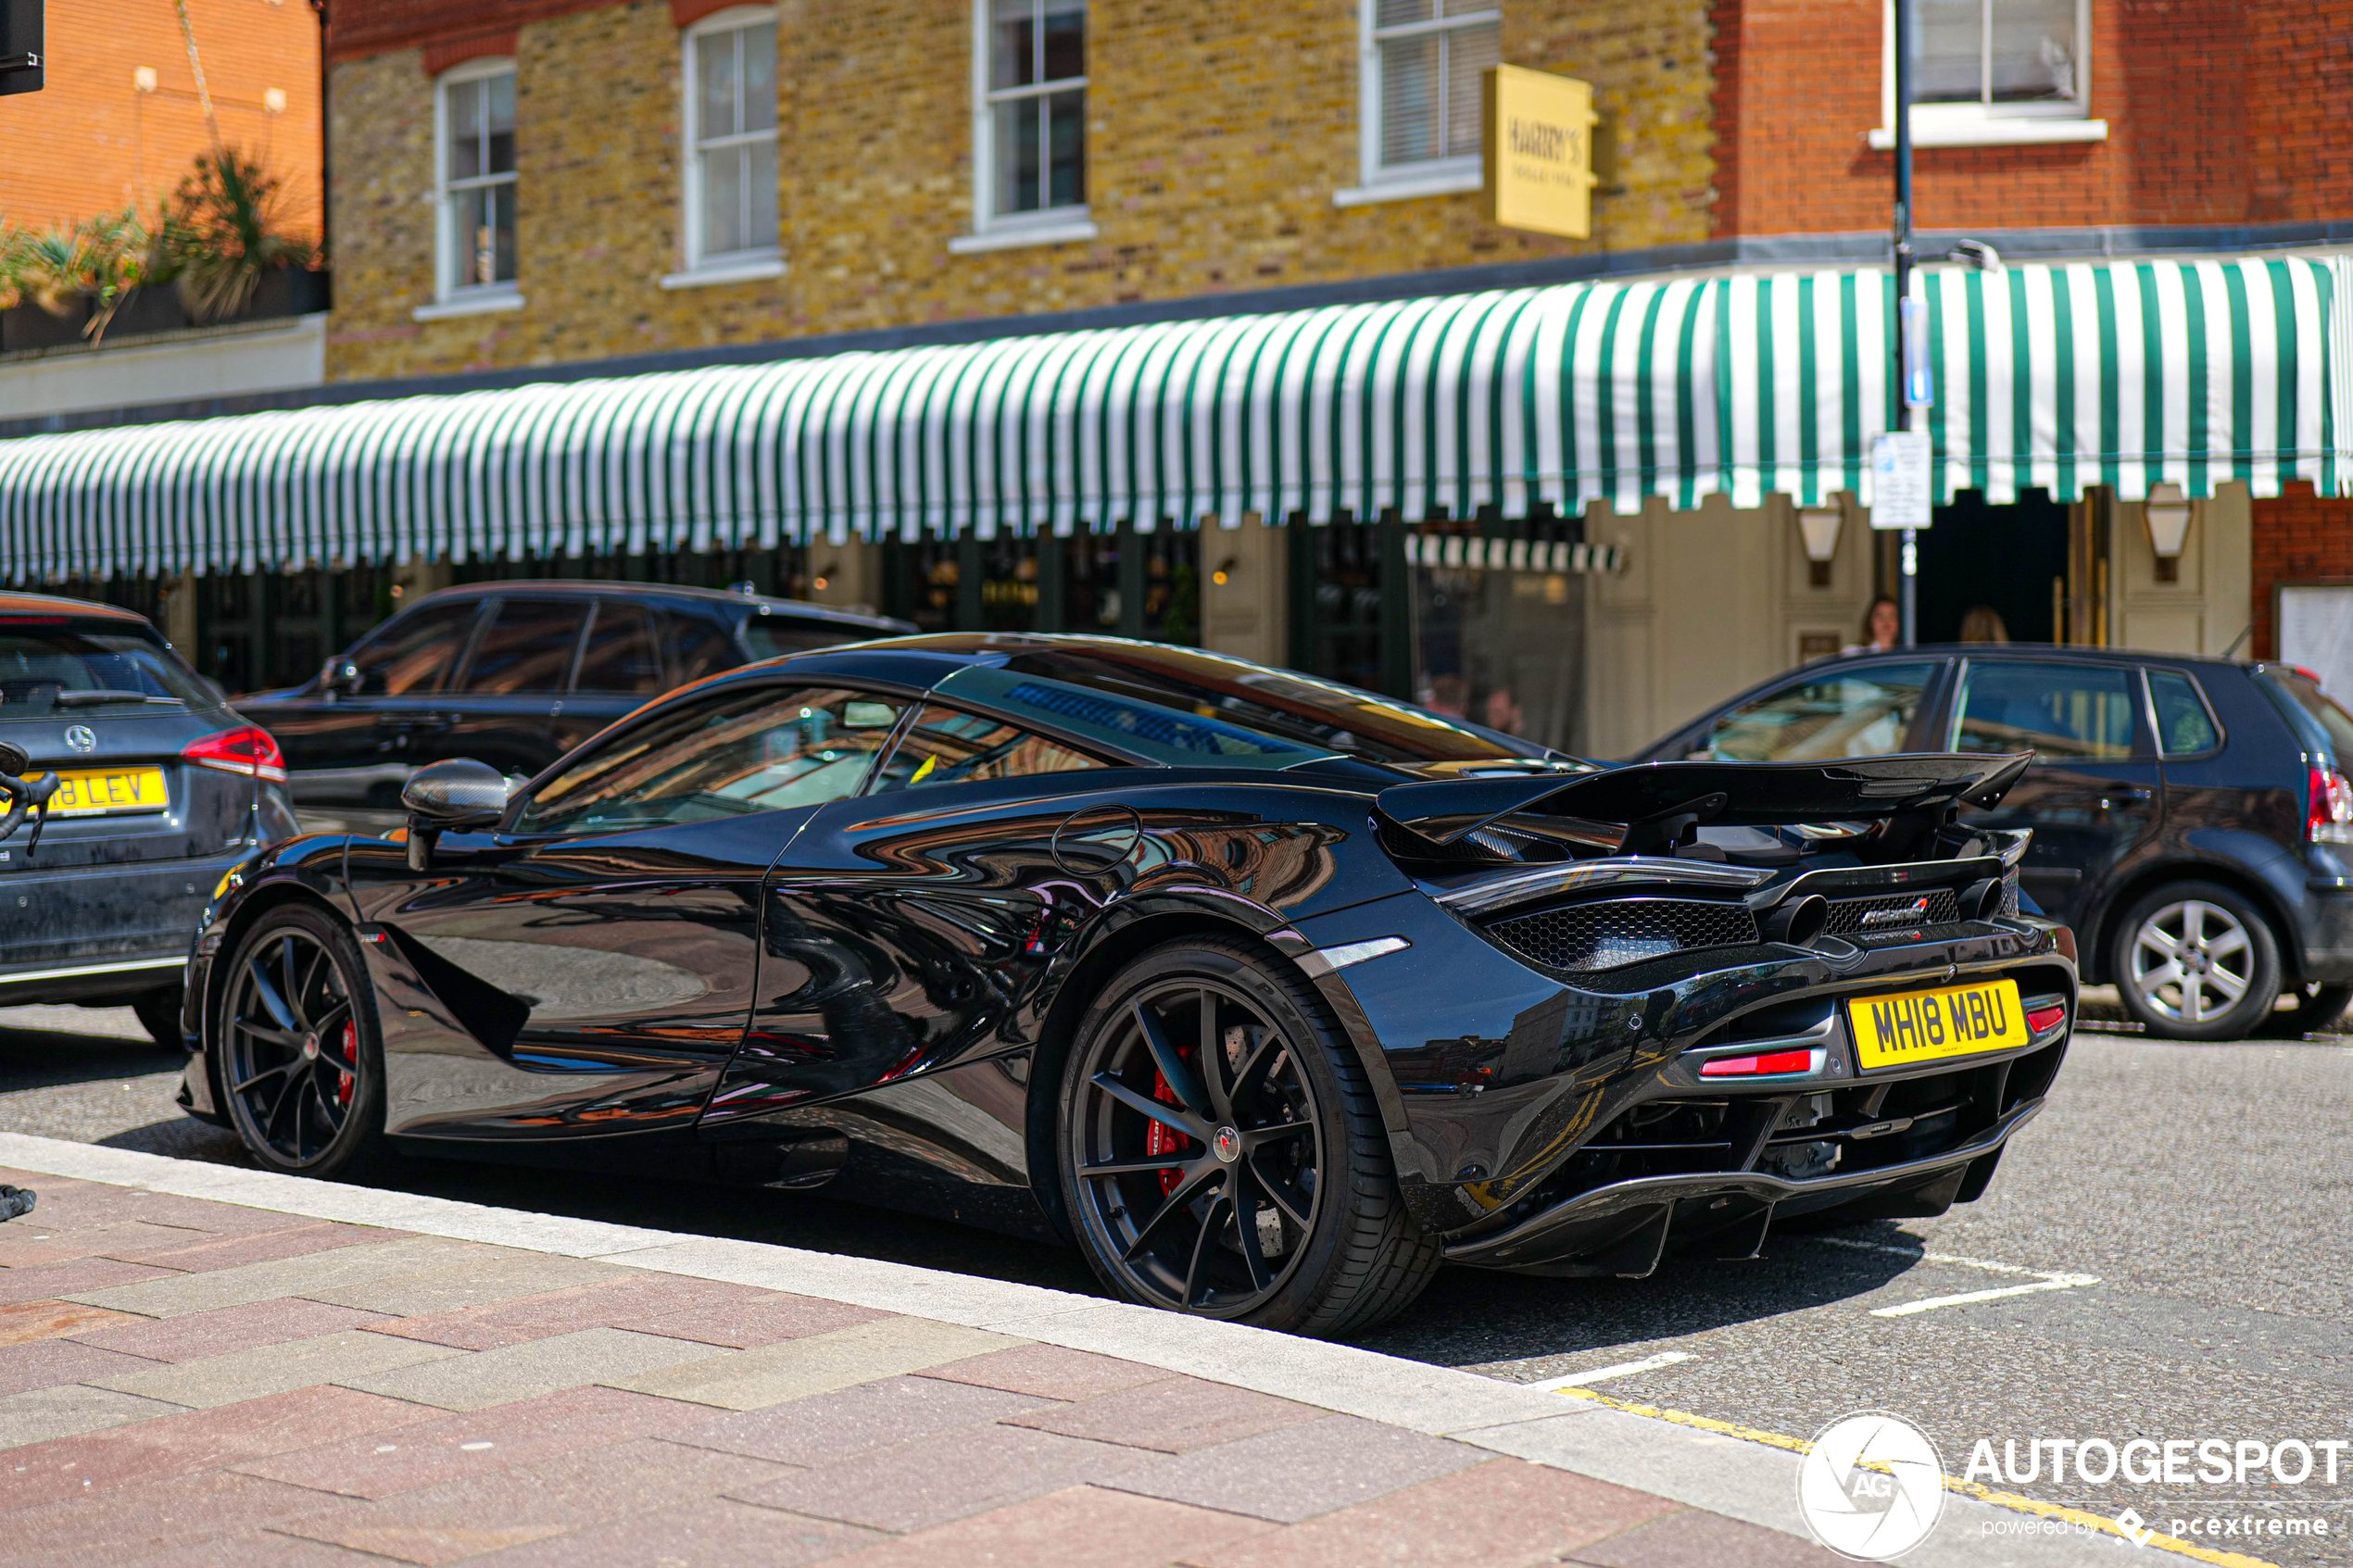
(2047, 650)
(51, 603)
(763, 604)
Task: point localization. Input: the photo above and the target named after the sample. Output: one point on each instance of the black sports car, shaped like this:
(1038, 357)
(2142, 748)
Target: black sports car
(1270, 994)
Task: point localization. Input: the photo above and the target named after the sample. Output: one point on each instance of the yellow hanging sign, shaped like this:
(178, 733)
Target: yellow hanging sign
(1537, 137)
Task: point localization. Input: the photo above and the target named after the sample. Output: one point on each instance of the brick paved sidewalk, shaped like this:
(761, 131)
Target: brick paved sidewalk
(190, 1382)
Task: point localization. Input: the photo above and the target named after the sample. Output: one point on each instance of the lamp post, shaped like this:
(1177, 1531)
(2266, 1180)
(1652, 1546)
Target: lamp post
(1908, 591)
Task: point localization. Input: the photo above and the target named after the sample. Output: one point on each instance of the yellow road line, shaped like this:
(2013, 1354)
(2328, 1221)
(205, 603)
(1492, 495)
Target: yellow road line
(1952, 1483)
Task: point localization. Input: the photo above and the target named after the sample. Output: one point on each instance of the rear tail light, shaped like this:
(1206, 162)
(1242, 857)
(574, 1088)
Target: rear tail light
(2040, 1019)
(246, 749)
(2328, 817)
(1759, 1066)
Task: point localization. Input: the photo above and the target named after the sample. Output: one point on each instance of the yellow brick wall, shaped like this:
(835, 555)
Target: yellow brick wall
(1217, 134)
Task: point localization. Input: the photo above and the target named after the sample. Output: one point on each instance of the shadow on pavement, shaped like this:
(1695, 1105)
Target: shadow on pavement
(38, 1059)
(1470, 1317)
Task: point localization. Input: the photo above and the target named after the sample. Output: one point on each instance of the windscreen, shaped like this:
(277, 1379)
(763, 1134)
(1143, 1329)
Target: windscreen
(1191, 706)
(64, 667)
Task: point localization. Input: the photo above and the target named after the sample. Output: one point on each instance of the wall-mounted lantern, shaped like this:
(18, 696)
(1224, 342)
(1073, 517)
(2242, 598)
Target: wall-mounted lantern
(1818, 525)
(2168, 511)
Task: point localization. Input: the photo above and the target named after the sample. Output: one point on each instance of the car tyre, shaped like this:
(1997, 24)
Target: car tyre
(1209, 1078)
(2312, 1007)
(2197, 960)
(300, 1061)
(160, 1016)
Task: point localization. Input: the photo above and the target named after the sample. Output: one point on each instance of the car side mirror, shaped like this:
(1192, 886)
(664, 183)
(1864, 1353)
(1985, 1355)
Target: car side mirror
(340, 677)
(460, 793)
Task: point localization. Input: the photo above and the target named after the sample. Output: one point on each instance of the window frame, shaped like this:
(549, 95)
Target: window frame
(1985, 122)
(447, 289)
(697, 264)
(991, 229)
(2156, 729)
(661, 710)
(2144, 747)
(1463, 172)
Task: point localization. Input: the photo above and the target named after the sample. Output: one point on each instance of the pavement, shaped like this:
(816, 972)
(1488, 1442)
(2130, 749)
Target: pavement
(2158, 1258)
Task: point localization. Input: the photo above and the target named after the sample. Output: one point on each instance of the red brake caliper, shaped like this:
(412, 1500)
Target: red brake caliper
(1162, 1138)
(350, 1054)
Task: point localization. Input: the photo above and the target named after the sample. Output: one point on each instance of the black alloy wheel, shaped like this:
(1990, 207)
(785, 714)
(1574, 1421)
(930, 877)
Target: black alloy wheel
(301, 1067)
(1221, 1153)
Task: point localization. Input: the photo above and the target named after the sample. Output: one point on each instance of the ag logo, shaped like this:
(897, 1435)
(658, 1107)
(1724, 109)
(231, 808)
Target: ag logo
(81, 737)
(1873, 1488)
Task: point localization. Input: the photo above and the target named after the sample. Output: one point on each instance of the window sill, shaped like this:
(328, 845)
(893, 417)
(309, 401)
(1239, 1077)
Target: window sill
(1075, 230)
(484, 304)
(737, 269)
(2024, 130)
(1410, 187)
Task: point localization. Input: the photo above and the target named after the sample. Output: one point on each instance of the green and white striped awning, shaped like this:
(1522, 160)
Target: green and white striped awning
(2121, 374)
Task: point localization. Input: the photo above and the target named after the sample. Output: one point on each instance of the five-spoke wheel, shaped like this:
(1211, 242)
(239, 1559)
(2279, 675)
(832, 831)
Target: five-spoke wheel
(2196, 960)
(298, 1071)
(1220, 1153)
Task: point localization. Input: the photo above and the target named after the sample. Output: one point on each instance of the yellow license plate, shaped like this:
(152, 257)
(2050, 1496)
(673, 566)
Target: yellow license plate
(97, 791)
(1929, 1025)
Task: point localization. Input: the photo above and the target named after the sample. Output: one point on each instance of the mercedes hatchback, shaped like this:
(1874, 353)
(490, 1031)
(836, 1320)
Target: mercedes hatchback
(161, 788)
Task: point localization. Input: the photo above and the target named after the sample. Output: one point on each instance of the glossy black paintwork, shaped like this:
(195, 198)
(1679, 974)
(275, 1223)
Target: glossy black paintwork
(902, 967)
(2105, 833)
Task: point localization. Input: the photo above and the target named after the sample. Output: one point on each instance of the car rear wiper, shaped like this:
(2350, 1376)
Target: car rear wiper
(95, 698)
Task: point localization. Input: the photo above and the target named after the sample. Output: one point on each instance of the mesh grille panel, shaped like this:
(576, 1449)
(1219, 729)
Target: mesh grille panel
(2010, 897)
(1900, 911)
(1624, 931)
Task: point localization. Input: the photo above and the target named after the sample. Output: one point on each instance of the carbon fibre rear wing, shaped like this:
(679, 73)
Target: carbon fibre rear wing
(1661, 804)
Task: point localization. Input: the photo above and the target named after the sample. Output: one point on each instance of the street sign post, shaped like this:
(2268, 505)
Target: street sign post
(1901, 480)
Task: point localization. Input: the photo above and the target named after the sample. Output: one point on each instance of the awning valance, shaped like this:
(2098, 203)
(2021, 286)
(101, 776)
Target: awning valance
(2122, 375)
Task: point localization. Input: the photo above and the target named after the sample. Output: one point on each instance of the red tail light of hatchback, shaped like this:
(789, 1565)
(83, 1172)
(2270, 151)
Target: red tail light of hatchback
(246, 749)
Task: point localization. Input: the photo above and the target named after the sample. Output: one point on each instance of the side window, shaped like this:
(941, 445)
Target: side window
(413, 654)
(2184, 726)
(527, 647)
(1830, 713)
(622, 654)
(694, 646)
(949, 745)
(2062, 712)
(758, 749)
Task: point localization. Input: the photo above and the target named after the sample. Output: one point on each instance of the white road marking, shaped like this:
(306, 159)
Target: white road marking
(2055, 1281)
(1598, 1375)
(2043, 1280)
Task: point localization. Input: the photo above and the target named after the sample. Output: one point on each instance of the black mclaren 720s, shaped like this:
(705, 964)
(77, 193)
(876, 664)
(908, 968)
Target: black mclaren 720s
(1268, 993)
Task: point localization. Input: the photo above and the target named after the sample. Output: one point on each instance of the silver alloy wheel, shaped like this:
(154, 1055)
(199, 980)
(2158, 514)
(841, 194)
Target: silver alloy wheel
(2192, 961)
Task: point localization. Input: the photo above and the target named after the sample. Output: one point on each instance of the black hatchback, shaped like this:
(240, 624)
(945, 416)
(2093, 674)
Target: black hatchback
(161, 788)
(517, 673)
(2192, 816)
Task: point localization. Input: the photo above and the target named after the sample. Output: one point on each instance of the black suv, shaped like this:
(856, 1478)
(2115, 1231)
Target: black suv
(2192, 816)
(161, 789)
(518, 673)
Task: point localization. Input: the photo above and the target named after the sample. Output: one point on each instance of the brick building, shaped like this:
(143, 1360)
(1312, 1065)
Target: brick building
(547, 193)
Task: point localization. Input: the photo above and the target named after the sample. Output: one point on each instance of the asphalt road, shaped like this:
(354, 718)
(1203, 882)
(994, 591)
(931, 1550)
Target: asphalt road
(2182, 1217)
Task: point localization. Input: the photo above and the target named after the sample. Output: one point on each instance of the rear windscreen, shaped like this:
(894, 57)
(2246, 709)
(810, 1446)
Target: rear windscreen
(2325, 728)
(68, 668)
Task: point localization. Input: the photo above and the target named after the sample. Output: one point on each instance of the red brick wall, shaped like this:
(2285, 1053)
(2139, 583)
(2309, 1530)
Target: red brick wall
(371, 27)
(2218, 112)
(91, 142)
(2298, 537)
